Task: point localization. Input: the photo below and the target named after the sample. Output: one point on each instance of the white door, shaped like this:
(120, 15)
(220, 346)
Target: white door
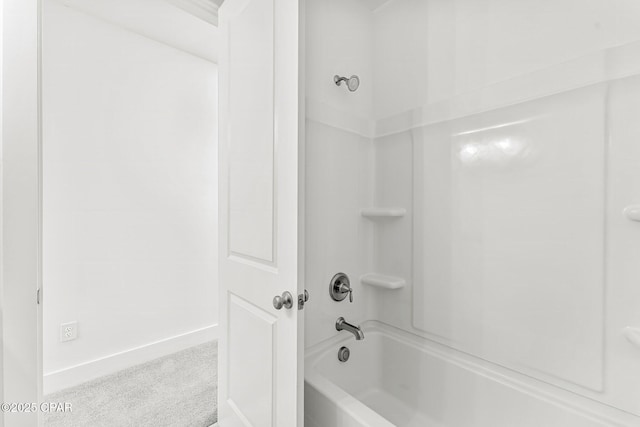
(261, 346)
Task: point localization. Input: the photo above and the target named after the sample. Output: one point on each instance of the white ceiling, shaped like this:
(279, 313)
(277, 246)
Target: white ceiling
(188, 25)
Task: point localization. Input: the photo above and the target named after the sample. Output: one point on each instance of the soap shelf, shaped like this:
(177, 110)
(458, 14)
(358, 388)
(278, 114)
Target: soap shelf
(383, 212)
(385, 282)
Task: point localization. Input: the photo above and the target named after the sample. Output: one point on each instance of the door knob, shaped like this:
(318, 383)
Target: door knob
(286, 300)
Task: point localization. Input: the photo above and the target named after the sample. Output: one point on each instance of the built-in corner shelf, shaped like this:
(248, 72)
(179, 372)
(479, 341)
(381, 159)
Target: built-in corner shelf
(383, 212)
(380, 281)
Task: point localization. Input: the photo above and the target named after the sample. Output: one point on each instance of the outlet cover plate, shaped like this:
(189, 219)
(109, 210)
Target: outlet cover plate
(68, 331)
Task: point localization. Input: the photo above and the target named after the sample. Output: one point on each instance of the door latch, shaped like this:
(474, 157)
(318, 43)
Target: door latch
(302, 298)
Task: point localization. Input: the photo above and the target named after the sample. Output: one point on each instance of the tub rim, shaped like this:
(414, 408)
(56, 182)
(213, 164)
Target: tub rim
(581, 405)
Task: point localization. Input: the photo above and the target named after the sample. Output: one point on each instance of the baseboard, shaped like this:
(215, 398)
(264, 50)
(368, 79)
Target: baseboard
(83, 372)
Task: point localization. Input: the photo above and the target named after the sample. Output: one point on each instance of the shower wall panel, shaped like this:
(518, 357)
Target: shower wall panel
(509, 238)
(338, 177)
(429, 51)
(504, 128)
(622, 297)
(338, 167)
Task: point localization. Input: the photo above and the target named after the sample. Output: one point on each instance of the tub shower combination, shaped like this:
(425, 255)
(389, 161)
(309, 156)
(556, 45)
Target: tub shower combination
(475, 183)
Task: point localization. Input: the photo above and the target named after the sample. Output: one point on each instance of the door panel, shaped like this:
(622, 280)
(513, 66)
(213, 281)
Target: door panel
(252, 332)
(251, 168)
(261, 348)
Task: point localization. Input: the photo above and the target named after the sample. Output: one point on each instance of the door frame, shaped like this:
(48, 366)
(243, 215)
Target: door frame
(21, 200)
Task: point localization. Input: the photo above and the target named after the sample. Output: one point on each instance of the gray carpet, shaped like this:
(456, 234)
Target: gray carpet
(178, 390)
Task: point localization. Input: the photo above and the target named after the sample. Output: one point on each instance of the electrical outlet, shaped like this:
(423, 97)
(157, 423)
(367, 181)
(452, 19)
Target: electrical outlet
(68, 331)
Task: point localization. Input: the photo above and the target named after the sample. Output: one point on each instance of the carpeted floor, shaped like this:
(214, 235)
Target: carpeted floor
(178, 390)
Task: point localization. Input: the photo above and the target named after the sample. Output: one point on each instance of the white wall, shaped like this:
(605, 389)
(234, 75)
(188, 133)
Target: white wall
(130, 196)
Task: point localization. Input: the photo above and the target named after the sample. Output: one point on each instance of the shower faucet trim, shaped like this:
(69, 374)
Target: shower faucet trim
(340, 287)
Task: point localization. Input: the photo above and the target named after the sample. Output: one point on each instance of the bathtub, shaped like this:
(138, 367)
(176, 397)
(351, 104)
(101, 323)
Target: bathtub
(394, 378)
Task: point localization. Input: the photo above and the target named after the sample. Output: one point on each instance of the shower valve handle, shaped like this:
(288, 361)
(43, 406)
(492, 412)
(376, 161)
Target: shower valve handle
(347, 289)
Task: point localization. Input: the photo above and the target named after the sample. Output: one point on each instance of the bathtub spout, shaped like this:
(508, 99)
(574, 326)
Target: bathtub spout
(343, 325)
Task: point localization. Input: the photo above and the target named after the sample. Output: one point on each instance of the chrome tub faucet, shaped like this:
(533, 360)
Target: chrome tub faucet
(343, 325)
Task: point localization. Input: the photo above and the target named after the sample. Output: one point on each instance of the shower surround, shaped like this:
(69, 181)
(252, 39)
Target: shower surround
(473, 189)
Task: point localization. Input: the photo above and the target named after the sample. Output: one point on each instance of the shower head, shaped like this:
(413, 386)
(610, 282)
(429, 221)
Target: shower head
(353, 82)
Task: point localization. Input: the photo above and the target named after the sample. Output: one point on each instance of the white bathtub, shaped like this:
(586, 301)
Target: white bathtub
(397, 379)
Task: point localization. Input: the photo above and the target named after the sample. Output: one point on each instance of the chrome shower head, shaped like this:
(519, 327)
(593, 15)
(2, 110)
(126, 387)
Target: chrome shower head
(353, 82)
